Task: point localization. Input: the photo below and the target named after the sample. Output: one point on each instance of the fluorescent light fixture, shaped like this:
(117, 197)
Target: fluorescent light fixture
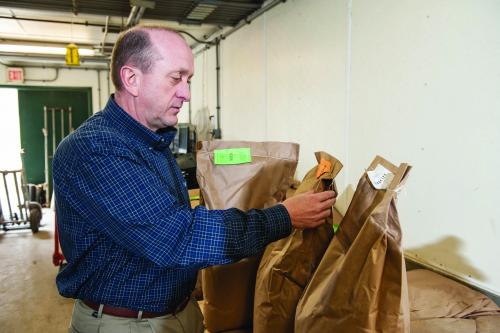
(17, 48)
(201, 11)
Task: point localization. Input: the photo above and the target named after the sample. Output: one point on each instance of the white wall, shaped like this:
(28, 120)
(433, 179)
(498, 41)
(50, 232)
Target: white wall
(68, 77)
(10, 157)
(203, 88)
(414, 81)
(273, 83)
(426, 75)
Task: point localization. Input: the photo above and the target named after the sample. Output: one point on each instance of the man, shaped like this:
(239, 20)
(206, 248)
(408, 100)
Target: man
(132, 242)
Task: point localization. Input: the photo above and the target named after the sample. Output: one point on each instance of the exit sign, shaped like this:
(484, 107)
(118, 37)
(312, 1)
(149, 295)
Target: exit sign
(15, 75)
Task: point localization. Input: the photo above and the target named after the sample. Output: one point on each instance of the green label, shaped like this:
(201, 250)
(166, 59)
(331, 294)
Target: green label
(232, 156)
(335, 228)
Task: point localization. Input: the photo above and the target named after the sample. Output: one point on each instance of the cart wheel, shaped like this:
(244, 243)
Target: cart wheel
(35, 218)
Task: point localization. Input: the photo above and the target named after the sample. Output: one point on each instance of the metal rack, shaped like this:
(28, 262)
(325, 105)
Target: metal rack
(62, 133)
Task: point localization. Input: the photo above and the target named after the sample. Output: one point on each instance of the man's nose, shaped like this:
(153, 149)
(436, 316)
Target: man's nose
(184, 91)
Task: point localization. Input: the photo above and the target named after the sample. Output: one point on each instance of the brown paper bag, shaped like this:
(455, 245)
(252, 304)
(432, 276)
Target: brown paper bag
(488, 324)
(291, 190)
(360, 284)
(432, 295)
(228, 290)
(443, 325)
(288, 264)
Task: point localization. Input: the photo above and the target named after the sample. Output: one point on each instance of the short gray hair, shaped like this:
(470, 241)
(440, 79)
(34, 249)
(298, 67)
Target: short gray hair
(134, 47)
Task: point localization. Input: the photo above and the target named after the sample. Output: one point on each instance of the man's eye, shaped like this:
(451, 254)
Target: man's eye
(176, 78)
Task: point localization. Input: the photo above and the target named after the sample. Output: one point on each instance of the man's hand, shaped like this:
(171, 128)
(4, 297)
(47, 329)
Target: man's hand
(309, 210)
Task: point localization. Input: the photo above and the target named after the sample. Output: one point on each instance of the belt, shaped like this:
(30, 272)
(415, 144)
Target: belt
(128, 313)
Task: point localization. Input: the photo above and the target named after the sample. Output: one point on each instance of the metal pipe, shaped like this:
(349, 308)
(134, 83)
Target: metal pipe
(70, 120)
(107, 77)
(139, 15)
(53, 149)
(137, 11)
(99, 87)
(104, 35)
(217, 69)
(46, 61)
(75, 8)
(114, 28)
(231, 4)
(62, 124)
(19, 203)
(194, 38)
(53, 112)
(131, 16)
(45, 132)
(44, 80)
(24, 185)
(7, 194)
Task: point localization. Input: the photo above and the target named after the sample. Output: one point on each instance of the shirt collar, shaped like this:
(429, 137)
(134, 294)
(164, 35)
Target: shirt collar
(159, 140)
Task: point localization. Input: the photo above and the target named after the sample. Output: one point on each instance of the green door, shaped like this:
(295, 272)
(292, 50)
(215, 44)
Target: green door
(31, 117)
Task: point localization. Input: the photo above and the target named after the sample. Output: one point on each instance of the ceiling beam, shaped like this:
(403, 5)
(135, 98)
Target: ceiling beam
(222, 3)
(15, 59)
(50, 43)
(111, 28)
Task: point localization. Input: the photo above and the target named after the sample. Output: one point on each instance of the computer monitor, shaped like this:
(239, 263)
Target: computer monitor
(185, 139)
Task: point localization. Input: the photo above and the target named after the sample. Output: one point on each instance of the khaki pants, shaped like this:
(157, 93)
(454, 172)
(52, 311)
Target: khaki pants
(189, 320)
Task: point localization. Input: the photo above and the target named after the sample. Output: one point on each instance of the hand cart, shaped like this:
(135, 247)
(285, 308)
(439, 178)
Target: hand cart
(27, 214)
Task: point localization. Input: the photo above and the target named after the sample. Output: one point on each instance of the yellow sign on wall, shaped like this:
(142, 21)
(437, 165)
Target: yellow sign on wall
(72, 56)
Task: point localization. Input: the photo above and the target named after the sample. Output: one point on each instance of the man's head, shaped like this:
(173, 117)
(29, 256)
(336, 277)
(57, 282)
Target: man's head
(150, 68)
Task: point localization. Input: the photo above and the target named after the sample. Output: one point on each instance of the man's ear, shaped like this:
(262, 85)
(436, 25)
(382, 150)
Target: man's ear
(131, 79)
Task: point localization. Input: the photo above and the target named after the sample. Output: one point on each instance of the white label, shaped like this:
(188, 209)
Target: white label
(380, 177)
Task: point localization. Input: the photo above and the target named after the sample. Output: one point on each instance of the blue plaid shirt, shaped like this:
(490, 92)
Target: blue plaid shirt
(126, 226)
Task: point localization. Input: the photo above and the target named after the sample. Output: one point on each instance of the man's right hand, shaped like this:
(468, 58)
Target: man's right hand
(309, 210)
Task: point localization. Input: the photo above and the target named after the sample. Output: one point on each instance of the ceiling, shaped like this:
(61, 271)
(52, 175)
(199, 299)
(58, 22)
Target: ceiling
(94, 24)
(219, 12)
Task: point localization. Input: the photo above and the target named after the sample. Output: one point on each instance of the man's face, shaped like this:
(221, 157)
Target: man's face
(166, 87)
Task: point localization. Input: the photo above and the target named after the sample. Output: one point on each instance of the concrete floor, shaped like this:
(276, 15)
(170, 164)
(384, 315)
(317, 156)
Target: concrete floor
(29, 301)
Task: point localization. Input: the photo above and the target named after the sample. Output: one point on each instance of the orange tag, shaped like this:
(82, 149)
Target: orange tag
(324, 166)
